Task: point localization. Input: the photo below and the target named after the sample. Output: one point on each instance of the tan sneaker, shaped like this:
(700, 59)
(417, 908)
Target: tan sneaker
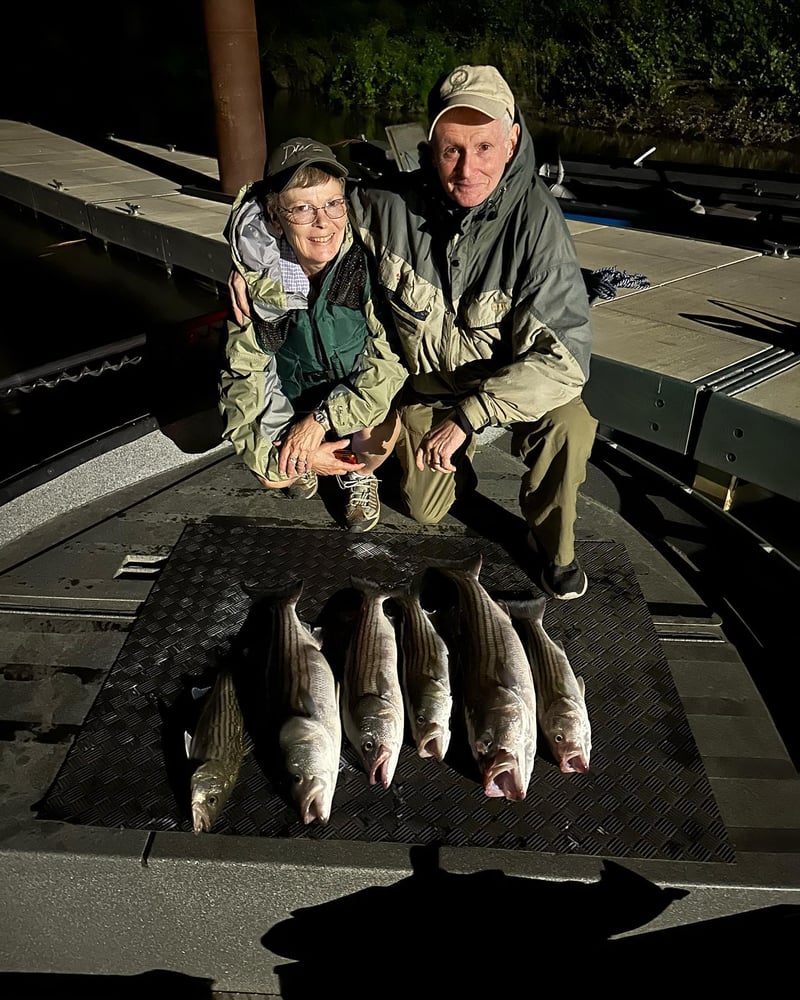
(303, 488)
(362, 508)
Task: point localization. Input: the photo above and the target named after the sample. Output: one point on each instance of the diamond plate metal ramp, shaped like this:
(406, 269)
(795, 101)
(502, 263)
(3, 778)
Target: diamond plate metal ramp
(646, 796)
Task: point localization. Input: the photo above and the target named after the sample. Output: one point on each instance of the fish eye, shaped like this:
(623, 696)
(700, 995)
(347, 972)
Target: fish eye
(212, 800)
(420, 719)
(368, 746)
(559, 737)
(296, 778)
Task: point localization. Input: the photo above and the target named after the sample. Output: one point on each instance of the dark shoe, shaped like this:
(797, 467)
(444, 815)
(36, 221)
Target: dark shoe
(565, 583)
(363, 508)
(303, 488)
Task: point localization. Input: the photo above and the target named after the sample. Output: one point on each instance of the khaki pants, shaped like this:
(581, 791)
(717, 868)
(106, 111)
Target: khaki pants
(555, 450)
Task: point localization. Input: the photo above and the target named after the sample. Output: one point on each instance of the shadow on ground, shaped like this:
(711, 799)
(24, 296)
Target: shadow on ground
(438, 933)
(157, 984)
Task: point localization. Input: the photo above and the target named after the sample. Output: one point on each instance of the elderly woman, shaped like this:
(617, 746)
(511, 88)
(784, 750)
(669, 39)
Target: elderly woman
(313, 372)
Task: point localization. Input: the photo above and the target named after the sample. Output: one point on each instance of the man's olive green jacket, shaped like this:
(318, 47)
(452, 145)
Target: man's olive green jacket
(489, 303)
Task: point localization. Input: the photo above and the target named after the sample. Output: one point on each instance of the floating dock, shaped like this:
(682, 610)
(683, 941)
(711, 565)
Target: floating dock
(676, 854)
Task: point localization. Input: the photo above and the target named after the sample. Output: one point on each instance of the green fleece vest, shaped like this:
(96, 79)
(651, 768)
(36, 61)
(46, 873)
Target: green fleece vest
(325, 343)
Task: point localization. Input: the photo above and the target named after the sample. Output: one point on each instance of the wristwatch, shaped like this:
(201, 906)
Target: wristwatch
(321, 418)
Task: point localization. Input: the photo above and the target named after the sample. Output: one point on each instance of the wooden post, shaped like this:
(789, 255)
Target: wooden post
(235, 68)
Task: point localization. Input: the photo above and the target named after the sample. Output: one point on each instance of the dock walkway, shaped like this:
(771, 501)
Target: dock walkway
(705, 362)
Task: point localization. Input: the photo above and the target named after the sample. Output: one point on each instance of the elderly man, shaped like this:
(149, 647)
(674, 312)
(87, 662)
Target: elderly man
(492, 316)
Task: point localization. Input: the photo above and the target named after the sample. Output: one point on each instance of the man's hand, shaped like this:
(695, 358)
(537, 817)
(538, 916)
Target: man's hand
(237, 289)
(437, 448)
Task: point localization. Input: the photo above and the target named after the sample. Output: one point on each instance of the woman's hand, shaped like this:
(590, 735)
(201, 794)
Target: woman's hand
(327, 464)
(299, 447)
(305, 450)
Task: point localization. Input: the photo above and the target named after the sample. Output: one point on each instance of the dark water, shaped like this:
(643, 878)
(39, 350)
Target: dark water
(188, 122)
(287, 115)
(65, 296)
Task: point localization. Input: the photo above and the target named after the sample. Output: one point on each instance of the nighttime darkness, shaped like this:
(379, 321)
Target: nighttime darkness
(398, 497)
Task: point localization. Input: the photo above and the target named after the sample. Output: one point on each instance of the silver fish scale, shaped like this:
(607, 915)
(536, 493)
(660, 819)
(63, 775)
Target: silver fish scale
(219, 734)
(491, 630)
(426, 677)
(373, 709)
(371, 666)
(496, 652)
(304, 669)
(553, 674)
(561, 704)
(425, 653)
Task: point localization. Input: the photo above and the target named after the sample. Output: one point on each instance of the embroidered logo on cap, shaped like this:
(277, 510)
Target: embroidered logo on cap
(290, 151)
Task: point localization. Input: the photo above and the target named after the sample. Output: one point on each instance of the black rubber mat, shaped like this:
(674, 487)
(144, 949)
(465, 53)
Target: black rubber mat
(646, 794)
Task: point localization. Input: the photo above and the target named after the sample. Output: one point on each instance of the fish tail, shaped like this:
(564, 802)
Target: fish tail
(289, 591)
(530, 609)
(374, 588)
(471, 566)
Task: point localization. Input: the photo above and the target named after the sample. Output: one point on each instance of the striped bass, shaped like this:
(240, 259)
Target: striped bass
(219, 745)
(372, 700)
(310, 735)
(561, 696)
(499, 696)
(425, 676)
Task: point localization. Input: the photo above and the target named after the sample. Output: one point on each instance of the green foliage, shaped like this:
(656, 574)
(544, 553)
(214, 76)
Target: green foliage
(621, 58)
(380, 69)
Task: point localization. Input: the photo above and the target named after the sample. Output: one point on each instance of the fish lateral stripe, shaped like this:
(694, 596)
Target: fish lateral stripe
(219, 733)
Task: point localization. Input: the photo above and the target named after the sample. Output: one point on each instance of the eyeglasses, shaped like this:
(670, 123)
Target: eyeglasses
(304, 215)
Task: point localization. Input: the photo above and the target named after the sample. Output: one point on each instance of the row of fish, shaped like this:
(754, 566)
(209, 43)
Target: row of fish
(516, 680)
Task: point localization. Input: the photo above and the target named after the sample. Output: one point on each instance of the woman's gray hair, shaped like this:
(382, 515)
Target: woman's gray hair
(305, 177)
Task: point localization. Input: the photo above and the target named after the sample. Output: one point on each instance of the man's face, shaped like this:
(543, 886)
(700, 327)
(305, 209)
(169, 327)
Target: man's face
(470, 152)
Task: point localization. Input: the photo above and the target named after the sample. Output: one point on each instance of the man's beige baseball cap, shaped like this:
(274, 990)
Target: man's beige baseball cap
(479, 87)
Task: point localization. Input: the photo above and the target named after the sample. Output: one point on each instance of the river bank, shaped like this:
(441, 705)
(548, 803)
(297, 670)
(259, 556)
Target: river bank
(695, 117)
(687, 133)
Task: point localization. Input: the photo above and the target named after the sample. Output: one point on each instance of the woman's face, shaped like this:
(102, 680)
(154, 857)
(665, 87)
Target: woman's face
(316, 242)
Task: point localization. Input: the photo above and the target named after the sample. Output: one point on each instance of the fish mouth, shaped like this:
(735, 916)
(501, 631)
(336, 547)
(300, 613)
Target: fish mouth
(201, 821)
(379, 766)
(431, 743)
(501, 777)
(574, 762)
(313, 802)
